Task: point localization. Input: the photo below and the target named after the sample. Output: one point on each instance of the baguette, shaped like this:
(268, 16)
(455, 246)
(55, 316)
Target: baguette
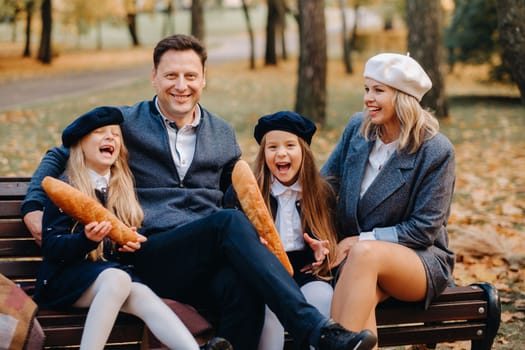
(253, 205)
(86, 209)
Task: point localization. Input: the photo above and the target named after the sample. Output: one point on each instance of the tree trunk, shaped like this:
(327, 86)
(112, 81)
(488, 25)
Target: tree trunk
(272, 22)
(44, 52)
(512, 38)
(311, 86)
(16, 11)
(168, 26)
(132, 27)
(197, 19)
(344, 40)
(29, 16)
(425, 44)
(99, 34)
(250, 33)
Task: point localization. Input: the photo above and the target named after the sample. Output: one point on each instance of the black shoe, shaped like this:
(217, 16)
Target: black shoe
(334, 337)
(217, 344)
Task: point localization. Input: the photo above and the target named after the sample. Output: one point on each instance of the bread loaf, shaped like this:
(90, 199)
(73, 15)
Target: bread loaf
(86, 209)
(253, 205)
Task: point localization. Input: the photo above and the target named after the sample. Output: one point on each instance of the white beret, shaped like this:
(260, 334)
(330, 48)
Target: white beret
(400, 72)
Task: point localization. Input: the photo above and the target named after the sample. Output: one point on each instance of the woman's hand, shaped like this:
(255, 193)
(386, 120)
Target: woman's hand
(96, 231)
(320, 249)
(131, 247)
(343, 248)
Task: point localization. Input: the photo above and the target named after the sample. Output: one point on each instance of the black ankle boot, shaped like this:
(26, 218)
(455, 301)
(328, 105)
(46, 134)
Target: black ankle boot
(217, 344)
(334, 337)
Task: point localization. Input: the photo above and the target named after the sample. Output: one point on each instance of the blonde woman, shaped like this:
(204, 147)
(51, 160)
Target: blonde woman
(396, 180)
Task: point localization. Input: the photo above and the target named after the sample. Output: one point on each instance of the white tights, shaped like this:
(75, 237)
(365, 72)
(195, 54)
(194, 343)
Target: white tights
(114, 291)
(317, 293)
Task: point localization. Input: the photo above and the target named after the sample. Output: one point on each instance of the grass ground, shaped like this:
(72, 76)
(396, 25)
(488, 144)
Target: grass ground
(486, 125)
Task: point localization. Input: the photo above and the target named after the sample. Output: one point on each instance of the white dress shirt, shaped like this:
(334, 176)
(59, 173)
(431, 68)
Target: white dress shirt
(377, 159)
(100, 182)
(182, 141)
(288, 221)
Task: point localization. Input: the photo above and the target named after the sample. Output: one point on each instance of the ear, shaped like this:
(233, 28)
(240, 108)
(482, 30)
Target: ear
(153, 76)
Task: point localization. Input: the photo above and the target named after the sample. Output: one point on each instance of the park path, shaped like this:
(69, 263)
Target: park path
(25, 92)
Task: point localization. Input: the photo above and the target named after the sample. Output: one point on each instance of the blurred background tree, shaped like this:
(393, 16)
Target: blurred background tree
(476, 31)
(489, 31)
(511, 26)
(425, 43)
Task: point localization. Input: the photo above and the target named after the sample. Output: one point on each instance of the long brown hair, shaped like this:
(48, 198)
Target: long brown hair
(121, 201)
(317, 204)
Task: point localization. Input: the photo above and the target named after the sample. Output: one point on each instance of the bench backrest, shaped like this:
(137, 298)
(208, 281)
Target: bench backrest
(20, 256)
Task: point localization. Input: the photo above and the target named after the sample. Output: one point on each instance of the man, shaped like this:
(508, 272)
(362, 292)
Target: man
(182, 157)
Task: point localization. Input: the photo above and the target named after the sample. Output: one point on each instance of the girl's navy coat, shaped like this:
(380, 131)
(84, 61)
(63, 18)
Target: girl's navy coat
(408, 202)
(65, 272)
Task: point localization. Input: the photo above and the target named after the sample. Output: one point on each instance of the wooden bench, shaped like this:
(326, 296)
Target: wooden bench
(20, 259)
(460, 313)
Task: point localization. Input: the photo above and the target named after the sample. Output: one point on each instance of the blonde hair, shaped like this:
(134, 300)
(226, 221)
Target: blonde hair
(317, 204)
(121, 197)
(417, 124)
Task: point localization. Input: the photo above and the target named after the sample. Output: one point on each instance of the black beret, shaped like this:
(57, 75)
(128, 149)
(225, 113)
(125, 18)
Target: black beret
(94, 119)
(285, 121)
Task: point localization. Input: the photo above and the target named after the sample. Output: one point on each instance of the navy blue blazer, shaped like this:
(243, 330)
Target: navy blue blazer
(407, 203)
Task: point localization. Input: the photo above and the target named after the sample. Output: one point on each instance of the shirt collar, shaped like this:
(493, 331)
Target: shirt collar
(99, 181)
(278, 188)
(380, 146)
(196, 120)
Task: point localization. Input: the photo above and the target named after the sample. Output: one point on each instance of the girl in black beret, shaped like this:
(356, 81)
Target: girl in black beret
(302, 205)
(81, 268)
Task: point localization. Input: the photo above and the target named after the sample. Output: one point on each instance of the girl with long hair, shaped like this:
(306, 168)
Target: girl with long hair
(302, 204)
(81, 266)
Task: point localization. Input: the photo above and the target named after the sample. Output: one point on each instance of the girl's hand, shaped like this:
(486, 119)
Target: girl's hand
(343, 248)
(131, 247)
(320, 249)
(96, 231)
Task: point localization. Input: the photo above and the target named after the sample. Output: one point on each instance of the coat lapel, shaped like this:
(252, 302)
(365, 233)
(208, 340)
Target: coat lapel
(357, 160)
(389, 180)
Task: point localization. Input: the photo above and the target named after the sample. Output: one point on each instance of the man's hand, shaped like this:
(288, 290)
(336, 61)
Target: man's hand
(33, 222)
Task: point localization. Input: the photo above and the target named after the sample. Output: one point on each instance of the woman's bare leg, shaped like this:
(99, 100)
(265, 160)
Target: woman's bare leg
(374, 271)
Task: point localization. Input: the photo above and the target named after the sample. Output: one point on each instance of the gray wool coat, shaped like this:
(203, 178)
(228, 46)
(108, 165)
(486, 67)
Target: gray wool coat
(408, 202)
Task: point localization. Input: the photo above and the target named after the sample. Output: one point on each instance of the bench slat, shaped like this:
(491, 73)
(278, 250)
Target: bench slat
(9, 209)
(13, 186)
(19, 269)
(464, 310)
(461, 293)
(19, 248)
(429, 335)
(13, 228)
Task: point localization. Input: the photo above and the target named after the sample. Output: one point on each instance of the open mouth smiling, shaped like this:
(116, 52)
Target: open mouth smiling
(107, 150)
(283, 166)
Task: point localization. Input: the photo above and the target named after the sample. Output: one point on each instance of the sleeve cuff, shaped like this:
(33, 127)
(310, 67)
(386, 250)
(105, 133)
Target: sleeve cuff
(30, 206)
(387, 234)
(367, 236)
